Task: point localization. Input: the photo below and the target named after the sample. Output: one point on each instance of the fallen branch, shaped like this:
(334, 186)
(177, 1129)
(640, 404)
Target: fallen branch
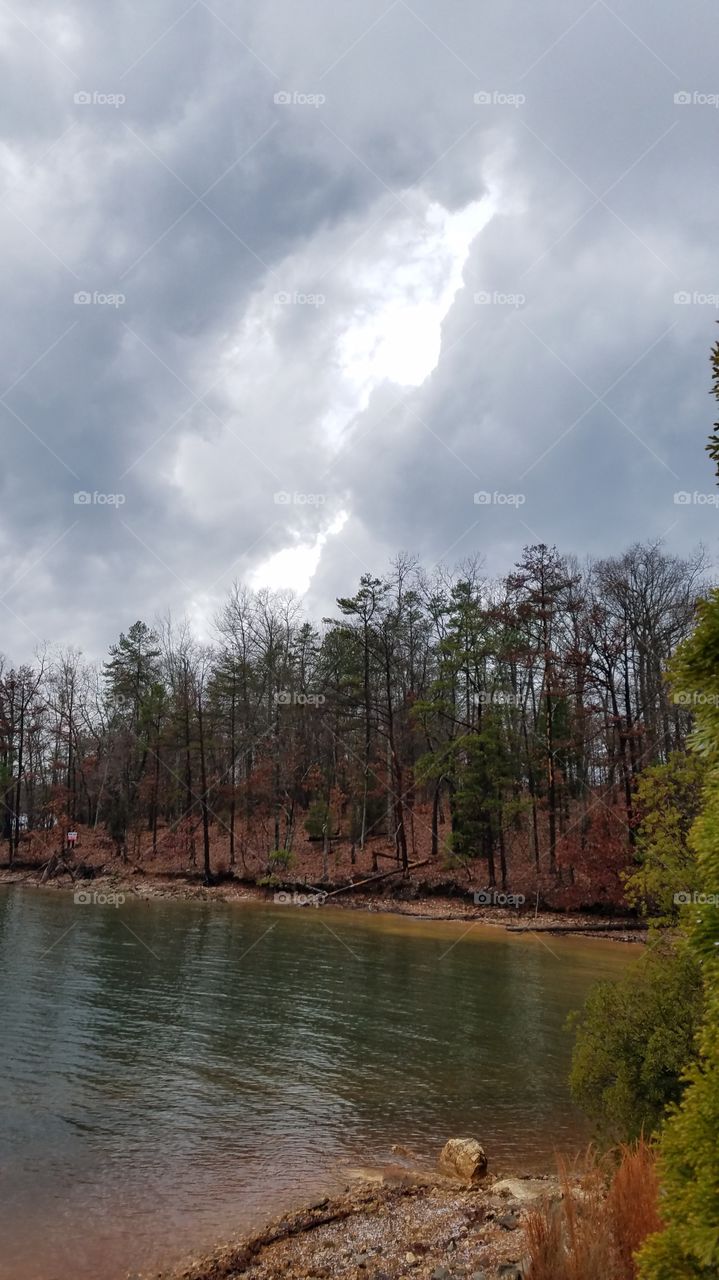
(381, 875)
(53, 866)
(239, 1259)
(601, 926)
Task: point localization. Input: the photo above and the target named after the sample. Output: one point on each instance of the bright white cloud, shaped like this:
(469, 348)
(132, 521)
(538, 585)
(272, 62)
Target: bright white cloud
(406, 292)
(293, 568)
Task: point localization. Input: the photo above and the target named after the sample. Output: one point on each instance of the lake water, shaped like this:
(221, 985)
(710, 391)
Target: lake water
(173, 1073)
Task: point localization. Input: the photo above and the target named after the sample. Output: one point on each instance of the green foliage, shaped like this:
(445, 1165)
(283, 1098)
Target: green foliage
(473, 799)
(280, 858)
(480, 800)
(634, 1040)
(688, 1249)
(668, 801)
(133, 670)
(637, 1037)
(317, 819)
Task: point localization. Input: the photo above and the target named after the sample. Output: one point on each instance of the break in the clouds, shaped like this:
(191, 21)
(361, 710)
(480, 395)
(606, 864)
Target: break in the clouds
(288, 288)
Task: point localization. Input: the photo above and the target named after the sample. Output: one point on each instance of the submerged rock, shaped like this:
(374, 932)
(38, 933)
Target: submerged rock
(463, 1158)
(522, 1189)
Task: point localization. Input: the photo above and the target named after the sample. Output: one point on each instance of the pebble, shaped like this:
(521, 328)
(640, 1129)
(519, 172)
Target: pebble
(441, 1273)
(509, 1221)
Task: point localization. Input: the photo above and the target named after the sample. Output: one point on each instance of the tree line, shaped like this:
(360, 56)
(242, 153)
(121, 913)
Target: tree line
(444, 708)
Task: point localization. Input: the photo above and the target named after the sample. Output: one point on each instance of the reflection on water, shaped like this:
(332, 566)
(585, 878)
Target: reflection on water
(173, 1071)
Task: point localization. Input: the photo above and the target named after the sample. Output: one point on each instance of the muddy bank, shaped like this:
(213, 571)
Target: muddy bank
(422, 906)
(401, 1225)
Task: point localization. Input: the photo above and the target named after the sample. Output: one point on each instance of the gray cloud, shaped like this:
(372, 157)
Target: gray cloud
(202, 201)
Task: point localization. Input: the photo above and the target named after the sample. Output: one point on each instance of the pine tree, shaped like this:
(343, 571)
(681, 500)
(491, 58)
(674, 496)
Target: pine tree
(688, 1249)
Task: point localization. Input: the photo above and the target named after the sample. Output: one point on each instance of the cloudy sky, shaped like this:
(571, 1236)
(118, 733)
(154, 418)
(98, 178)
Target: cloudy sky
(286, 285)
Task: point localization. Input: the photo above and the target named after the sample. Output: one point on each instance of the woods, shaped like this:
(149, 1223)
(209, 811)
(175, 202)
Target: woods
(437, 713)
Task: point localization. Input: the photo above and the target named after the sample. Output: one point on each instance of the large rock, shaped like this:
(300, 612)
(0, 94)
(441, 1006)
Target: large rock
(463, 1158)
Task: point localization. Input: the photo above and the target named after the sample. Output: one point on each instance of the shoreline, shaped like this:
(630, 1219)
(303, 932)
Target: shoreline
(388, 1225)
(149, 887)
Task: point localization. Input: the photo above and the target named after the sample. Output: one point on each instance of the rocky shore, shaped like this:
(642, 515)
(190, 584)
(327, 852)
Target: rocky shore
(390, 1225)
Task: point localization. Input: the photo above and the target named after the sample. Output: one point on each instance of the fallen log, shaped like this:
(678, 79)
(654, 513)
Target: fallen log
(381, 875)
(601, 926)
(241, 1258)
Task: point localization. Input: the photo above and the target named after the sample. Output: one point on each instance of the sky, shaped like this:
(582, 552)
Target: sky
(291, 287)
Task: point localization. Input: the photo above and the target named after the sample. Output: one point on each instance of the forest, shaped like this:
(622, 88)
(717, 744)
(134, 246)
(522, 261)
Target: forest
(495, 729)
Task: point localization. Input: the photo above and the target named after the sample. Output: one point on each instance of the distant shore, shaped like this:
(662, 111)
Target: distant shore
(148, 887)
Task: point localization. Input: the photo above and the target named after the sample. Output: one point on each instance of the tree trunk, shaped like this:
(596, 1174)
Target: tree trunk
(203, 783)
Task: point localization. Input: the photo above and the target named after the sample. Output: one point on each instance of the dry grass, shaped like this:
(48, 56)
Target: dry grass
(633, 1204)
(605, 1213)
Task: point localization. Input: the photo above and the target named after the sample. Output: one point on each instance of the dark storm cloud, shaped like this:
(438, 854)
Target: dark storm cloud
(201, 201)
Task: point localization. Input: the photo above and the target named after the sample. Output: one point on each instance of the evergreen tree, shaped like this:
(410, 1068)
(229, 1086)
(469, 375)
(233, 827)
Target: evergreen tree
(668, 799)
(688, 1248)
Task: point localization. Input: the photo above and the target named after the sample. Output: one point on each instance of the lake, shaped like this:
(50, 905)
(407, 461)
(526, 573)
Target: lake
(173, 1073)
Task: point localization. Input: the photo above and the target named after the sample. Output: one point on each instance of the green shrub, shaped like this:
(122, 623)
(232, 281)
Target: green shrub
(280, 859)
(318, 816)
(688, 1249)
(634, 1039)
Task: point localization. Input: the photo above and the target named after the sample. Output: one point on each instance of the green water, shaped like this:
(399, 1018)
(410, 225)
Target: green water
(173, 1072)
